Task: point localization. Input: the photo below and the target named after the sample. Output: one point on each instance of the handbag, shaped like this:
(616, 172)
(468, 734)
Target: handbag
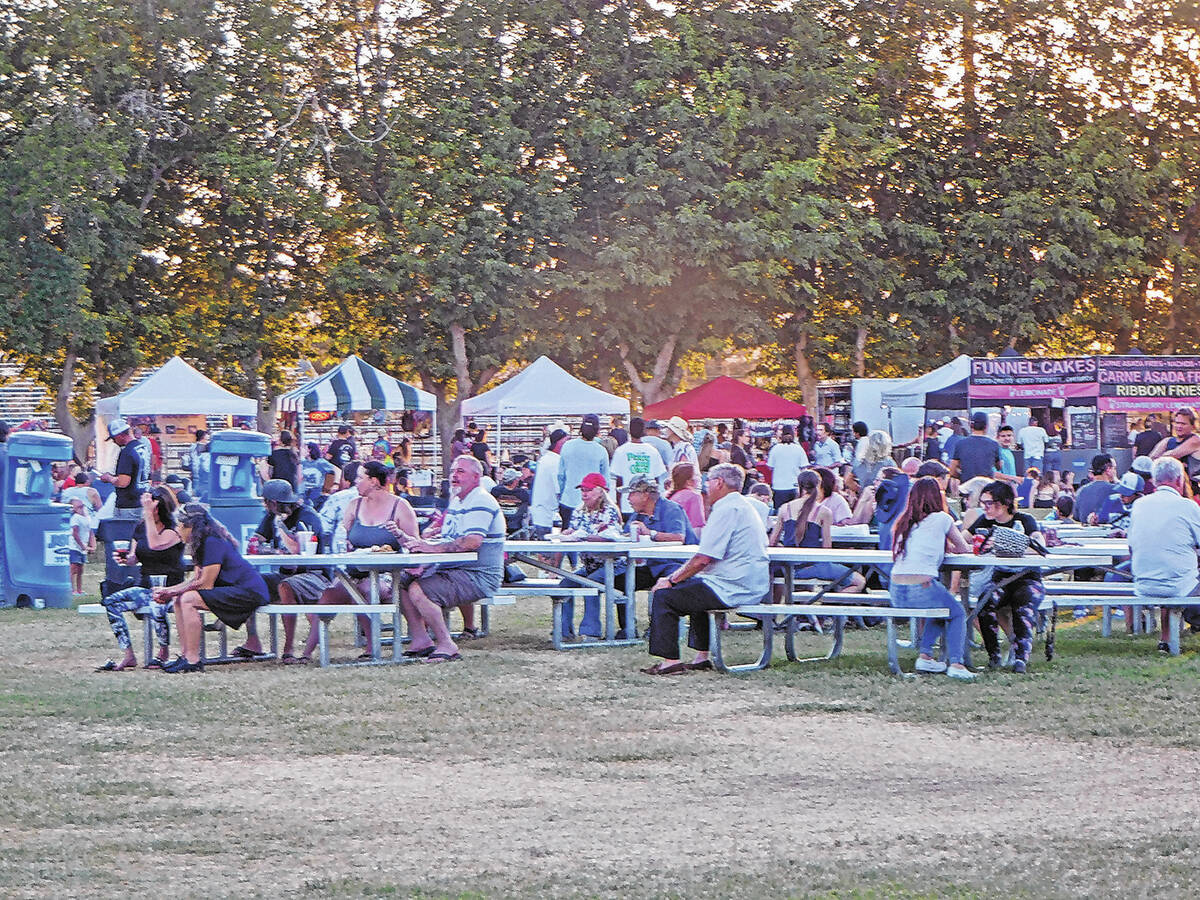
(1010, 543)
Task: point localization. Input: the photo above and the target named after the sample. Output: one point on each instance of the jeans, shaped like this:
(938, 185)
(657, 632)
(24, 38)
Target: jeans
(932, 596)
(590, 626)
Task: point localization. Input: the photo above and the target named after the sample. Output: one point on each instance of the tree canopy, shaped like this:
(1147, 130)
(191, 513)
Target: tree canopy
(832, 188)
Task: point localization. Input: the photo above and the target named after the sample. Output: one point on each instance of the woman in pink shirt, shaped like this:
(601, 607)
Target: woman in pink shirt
(683, 492)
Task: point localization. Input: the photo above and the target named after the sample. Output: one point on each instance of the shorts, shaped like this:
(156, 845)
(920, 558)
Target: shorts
(77, 557)
(450, 587)
(307, 586)
(232, 605)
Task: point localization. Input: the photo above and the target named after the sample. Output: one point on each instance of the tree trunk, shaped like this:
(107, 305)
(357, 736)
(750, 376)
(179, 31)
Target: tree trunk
(80, 433)
(663, 377)
(804, 374)
(860, 352)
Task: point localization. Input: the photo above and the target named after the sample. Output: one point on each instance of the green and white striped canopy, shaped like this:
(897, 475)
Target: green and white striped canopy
(355, 386)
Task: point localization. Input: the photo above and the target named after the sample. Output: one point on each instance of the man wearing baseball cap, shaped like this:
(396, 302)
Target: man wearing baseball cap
(1114, 510)
(655, 439)
(132, 475)
(580, 456)
(544, 506)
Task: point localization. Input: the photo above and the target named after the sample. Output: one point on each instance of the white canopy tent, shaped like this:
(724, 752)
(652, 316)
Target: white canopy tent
(543, 388)
(912, 392)
(175, 389)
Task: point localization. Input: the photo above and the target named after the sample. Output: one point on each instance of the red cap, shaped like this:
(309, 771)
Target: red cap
(591, 480)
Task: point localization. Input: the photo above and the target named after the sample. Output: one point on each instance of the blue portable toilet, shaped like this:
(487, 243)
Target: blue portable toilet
(233, 490)
(35, 533)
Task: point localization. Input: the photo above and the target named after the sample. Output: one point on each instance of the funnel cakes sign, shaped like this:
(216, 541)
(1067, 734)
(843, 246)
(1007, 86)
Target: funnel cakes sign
(1033, 379)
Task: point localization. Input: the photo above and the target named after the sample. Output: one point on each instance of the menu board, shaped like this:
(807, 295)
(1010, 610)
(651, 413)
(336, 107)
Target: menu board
(1084, 431)
(1114, 431)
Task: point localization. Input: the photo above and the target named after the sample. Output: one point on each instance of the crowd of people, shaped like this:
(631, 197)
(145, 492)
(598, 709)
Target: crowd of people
(724, 486)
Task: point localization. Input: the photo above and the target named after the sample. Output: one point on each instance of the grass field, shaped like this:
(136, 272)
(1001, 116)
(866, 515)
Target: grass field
(527, 773)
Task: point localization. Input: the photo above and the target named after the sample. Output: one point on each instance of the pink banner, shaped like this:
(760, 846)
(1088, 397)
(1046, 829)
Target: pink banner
(1011, 392)
(1145, 404)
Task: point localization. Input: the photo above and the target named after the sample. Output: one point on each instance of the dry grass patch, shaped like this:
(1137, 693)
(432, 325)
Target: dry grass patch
(526, 773)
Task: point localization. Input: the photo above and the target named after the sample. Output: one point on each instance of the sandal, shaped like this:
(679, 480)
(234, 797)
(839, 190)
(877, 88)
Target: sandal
(469, 634)
(246, 653)
(288, 660)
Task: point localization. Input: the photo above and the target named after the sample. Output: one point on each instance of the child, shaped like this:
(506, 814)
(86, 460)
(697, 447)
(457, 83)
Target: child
(81, 540)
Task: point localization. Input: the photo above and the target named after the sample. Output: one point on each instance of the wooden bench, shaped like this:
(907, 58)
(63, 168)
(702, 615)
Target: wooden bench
(837, 606)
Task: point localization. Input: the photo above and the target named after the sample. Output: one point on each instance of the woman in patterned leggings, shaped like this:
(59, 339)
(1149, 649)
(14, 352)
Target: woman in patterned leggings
(158, 548)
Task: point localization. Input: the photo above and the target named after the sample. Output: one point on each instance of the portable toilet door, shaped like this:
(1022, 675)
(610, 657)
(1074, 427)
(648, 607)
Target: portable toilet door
(35, 533)
(234, 495)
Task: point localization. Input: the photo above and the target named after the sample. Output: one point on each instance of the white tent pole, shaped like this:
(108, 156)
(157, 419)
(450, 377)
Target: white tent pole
(499, 433)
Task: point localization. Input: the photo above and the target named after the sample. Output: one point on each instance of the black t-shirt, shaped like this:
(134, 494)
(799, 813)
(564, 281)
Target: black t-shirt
(1023, 522)
(134, 461)
(513, 503)
(167, 562)
(1145, 442)
(284, 464)
(342, 451)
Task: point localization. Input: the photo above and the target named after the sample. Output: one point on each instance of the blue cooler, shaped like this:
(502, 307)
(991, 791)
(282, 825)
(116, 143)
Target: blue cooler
(36, 532)
(234, 495)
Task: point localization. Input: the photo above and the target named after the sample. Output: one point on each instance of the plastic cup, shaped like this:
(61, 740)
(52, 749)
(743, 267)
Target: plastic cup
(39, 603)
(158, 581)
(121, 549)
(309, 547)
(644, 538)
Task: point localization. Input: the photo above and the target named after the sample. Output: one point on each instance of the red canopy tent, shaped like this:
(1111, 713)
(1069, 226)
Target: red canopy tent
(725, 398)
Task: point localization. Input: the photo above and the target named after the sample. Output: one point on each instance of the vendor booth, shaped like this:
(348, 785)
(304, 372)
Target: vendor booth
(725, 398)
(356, 386)
(944, 390)
(177, 397)
(542, 389)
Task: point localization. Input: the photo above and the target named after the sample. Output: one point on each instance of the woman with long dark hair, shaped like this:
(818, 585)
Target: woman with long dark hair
(158, 548)
(222, 583)
(806, 522)
(920, 538)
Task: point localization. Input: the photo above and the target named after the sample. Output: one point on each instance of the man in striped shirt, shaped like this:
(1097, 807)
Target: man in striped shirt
(473, 523)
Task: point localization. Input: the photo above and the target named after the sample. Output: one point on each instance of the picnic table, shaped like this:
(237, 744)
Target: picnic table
(375, 565)
(534, 553)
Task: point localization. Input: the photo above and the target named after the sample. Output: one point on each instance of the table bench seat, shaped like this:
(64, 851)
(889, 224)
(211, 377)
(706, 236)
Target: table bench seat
(836, 606)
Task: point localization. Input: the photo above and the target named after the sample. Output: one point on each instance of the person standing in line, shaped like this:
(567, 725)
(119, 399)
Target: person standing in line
(284, 464)
(1032, 439)
(786, 459)
(581, 456)
(654, 439)
(1008, 462)
(342, 449)
(977, 456)
(683, 449)
(132, 476)
(636, 457)
(544, 506)
(826, 451)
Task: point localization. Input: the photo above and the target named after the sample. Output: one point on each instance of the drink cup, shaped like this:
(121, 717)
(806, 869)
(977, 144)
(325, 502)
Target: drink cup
(308, 545)
(644, 538)
(121, 549)
(39, 603)
(158, 581)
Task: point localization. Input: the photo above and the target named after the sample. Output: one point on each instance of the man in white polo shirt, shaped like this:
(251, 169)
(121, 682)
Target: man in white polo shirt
(1164, 535)
(729, 569)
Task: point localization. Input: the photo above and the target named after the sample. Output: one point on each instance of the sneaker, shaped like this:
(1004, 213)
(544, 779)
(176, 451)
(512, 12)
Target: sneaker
(932, 666)
(962, 673)
(904, 643)
(1019, 667)
(1081, 612)
(1164, 647)
(1118, 613)
(180, 665)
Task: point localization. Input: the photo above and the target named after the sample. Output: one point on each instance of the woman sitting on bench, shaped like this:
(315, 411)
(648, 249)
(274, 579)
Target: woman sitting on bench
(806, 522)
(919, 541)
(222, 583)
(158, 548)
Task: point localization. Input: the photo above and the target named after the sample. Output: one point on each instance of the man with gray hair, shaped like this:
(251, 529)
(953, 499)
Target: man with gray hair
(729, 569)
(1164, 535)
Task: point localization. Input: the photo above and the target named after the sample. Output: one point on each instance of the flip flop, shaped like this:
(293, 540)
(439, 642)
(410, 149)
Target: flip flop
(244, 653)
(443, 657)
(288, 660)
(419, 654)
(705, 665)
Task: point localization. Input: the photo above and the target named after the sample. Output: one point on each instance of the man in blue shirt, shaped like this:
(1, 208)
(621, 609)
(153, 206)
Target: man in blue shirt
(579, 457)
(659, 520)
